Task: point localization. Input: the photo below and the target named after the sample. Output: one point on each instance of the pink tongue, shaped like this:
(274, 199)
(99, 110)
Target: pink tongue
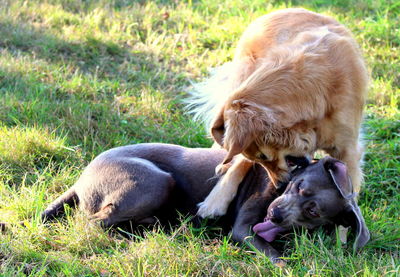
(267, 230)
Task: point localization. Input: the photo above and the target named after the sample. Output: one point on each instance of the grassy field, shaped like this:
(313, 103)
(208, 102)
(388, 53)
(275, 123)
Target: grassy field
(78, 77)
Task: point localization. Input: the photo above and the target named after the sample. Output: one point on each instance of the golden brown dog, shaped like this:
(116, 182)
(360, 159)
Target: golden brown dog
(297, 84)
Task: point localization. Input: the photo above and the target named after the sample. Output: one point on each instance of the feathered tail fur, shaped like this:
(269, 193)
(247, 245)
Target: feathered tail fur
(206, 98)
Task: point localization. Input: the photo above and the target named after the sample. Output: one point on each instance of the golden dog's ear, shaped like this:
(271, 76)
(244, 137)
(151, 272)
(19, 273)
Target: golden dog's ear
(237, 128)
(233, 150)
(218, 128)
(218, 133)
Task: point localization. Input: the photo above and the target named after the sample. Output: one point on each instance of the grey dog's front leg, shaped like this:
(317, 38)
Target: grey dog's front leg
(251, 213)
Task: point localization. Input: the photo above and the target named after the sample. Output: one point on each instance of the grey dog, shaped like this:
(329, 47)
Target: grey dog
(151, 182)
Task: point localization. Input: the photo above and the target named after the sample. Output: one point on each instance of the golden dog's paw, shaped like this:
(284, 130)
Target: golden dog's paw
(211, 211)
(216, 203)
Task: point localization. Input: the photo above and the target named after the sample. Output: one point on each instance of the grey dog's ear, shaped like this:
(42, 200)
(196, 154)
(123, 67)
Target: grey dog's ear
(340, 177)
(353, 217)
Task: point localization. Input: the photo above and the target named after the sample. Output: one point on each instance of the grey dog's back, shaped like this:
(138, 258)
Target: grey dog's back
(119, 171)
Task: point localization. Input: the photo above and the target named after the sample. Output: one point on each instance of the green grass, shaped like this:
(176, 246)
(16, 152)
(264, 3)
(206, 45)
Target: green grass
(79, 77)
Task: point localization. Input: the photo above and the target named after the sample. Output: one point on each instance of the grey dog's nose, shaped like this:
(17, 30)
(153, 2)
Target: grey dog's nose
(276, 215)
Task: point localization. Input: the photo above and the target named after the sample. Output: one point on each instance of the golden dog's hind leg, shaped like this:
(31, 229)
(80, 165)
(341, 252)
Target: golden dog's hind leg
(217, 202)
(351, 155)
(352, 158)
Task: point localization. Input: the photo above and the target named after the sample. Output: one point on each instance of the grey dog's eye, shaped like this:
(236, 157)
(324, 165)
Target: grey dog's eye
(312, 210)
(300, 185)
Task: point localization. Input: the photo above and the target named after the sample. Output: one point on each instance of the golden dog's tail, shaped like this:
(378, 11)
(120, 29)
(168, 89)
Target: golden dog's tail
(206, 98)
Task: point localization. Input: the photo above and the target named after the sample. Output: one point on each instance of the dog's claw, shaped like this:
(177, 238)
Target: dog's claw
(221, 169)
(280, 263)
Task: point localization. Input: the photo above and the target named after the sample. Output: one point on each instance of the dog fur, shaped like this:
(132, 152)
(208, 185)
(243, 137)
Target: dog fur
(297, 84)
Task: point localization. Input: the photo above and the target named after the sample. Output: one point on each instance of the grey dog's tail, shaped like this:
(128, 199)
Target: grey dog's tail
(57, 206)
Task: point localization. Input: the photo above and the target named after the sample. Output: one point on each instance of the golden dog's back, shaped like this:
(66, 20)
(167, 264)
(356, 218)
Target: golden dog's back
(283, 27)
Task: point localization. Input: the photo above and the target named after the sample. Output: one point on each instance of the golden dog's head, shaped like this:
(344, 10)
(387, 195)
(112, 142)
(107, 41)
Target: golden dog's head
(248, 128)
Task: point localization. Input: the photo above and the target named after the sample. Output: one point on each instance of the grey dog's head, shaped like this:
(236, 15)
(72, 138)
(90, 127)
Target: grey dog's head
(319, 194)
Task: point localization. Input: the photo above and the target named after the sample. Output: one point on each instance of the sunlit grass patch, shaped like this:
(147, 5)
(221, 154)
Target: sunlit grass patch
(30, 148)
(79, 77)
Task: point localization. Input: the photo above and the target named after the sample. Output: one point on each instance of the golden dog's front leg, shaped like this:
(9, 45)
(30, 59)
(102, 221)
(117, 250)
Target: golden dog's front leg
(217, 202)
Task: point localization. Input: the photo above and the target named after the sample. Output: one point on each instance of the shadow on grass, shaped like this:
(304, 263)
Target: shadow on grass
(104, 60)
(87, 55)
(88, 123)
